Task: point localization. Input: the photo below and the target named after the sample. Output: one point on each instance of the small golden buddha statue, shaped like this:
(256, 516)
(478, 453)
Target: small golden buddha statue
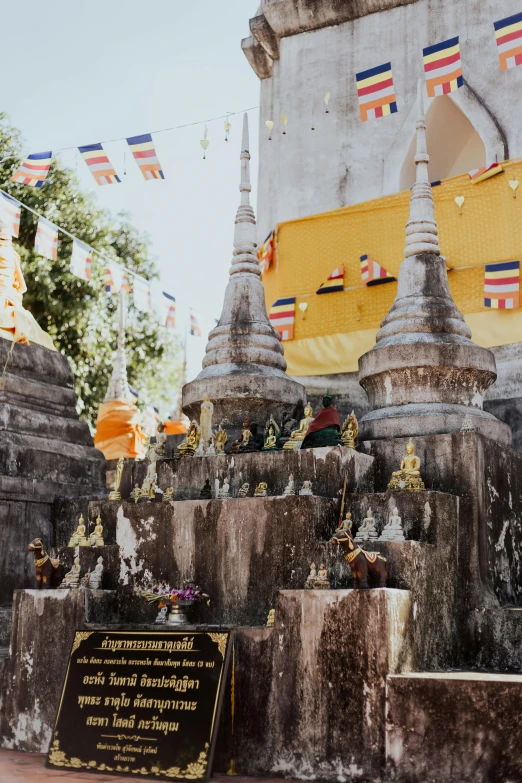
(168, 494)
(135, 493)
(408, 477)
(79, 538)
(272, 435)
(220, 440)
(270, 620)
(347, 522)
(243, 439)
(321, 580)
(298, 435)
(187, 448)
(71, 579)
(96, 537)
(115, 494)
(312, 576)
(261, 490)
(350, 431)
(243, 490)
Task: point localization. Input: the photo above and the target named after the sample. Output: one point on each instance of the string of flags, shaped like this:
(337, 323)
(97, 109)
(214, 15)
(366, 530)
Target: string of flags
(502, 285)
(147, 297)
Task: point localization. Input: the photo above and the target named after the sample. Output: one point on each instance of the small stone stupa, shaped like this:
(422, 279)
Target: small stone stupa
(244, 367)
(118, 430)
(424, 374)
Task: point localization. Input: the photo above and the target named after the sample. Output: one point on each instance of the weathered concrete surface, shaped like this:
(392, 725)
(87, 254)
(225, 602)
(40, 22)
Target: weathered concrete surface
(324, 467)
(240, 551)
(345, 389)
(315, 707)
(456, 727)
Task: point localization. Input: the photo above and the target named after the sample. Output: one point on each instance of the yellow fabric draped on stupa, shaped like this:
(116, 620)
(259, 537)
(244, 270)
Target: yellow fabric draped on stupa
(16, 324)
(337, 328)
(118, 430)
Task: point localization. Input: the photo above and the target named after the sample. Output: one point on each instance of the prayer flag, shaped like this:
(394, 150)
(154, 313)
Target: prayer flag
(334, 283)
(99, 164)
(376, 92)
(133, 391)
(115, 278)
(282, 317)
(265, 253)
(150, 425)
(508, 34)
(10, 210)
(34, 169)
(443, 67)
(46, 240)
(169, 311)
(373, 273)
(145, 156)
(485, 172)
(502, 285)
(141, 295)
(81, 260)
(195, 331)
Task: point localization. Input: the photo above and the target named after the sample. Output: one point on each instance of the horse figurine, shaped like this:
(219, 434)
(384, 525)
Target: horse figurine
(363, 564)
(49, 572)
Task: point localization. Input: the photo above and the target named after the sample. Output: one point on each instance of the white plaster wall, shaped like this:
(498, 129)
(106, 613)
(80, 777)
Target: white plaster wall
(345, 161)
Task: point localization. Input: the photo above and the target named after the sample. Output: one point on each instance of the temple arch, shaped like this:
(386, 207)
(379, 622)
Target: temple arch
(454, 145)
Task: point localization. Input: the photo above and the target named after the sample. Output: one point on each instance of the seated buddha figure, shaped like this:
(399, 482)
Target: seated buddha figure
(79, 538)
(408, 477)
(325, 429)
(96, 537)
(272, 433)
(243, 440)
(297, 437)
(187, 448)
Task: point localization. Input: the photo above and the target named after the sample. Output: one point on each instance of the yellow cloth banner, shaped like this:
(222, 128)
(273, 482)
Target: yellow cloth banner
(339, 327)
(118, 430)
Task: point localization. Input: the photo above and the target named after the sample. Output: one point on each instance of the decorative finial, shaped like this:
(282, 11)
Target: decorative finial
(245, 257)
(421, 229)
(118, 388)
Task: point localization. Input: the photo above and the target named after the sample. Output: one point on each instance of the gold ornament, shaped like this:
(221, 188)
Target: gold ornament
(270, 620)
(459, 201)
(205, 142)
(513, 184)
(227, 128)
(270, 125)
(303, 306)
(313, 118)
(327, 100)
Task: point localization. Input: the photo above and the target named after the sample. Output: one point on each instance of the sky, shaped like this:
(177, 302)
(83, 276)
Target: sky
(96, 71)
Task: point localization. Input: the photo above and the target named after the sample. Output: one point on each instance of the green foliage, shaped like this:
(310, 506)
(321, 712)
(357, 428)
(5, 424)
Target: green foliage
(80, 317)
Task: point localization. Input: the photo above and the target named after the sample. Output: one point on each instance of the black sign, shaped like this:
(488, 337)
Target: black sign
(142, 703)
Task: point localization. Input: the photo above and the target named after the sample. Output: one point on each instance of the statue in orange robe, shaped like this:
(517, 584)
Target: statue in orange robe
(16, 323)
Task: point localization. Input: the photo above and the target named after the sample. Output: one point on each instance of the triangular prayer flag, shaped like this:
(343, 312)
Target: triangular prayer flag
(145, 156)
(81, 260)
(34, 169)
(46, 240)
(282, 317)
(508, 35)
(99, 164)
(485, 172)
(443, 67)
(265, 253)
(10, 210)
(169, 311)
(502, 285)
(195, 331)
(133, 391)
(115, 278)
(334, 283)
(373, 273)
(141, 295)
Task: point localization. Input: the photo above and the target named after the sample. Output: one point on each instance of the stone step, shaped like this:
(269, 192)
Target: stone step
(453, 726)
(6, 616)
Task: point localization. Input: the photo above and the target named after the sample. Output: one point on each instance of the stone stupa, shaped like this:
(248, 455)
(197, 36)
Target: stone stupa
(424, 374)
(244, 367)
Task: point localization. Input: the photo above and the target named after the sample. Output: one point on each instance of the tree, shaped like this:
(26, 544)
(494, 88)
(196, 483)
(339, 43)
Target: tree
(80, 317)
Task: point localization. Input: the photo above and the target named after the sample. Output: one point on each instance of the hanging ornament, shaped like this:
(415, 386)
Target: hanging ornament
(313, 117)
(327, 100)
(459, 201)
(513, 184)
(303, 306)
(285, 121)
(124, 164)
(270, 125)
(227, 128)
(205, 142)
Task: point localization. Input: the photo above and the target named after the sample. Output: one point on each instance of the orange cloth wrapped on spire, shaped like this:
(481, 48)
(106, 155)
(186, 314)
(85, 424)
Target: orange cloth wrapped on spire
(175, 427)
(118, 430)
(16, 324)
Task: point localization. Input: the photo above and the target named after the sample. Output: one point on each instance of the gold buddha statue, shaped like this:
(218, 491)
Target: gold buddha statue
(270, 620)
(79, 538)
(408, 477)
(71, 579)
(350, 431)
(188, 447)
(96, 537)
(243, 439)
(220, 440)
(298, 435)
(261, 491)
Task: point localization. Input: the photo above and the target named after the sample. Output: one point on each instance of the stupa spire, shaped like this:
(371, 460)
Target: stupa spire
(244, 345)
(118, 388)
(421, 229)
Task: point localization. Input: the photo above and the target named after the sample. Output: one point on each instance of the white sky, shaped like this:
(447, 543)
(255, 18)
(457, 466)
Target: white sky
(80, 73)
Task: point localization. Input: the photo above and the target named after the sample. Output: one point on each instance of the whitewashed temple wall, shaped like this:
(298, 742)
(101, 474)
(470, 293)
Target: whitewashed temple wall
(345, 161)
